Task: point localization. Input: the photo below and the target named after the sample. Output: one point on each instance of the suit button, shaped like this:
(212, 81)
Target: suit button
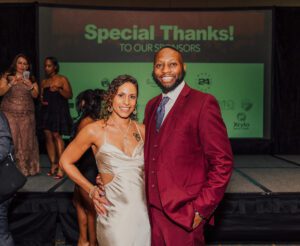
(155, 145)
(153, 159)
(152, 172)
(153, 186)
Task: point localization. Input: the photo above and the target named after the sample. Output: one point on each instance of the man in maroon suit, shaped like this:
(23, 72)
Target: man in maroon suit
(188, 158)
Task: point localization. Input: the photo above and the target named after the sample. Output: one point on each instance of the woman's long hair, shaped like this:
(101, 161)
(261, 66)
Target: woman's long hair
(13, 67)
(88, 104)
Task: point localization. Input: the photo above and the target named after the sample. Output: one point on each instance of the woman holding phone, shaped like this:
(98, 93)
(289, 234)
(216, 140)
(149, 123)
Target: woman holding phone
(18, 88)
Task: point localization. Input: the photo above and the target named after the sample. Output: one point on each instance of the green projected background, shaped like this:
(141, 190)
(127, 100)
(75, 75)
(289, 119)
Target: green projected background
(239, 88)
(227, 53)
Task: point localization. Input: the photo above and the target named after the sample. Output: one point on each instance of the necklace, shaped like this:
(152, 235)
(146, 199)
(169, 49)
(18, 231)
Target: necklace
(125, 137)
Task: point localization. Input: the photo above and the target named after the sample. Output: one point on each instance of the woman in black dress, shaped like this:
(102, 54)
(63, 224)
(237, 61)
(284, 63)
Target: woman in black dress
(55, 116)
(88, 105)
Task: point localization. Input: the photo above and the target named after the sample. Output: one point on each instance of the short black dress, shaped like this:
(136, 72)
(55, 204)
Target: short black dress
(87, 166)
(56, 115)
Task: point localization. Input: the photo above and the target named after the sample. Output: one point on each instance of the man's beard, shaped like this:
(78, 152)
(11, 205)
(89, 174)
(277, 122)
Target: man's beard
(172, 87)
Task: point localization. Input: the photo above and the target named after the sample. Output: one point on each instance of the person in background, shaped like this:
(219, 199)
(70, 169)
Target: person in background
(55, 115)
(18, 88)
(88, 106)
(6, 147)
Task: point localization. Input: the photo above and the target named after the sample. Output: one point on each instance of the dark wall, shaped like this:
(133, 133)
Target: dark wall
(18, 33)
(286, 111)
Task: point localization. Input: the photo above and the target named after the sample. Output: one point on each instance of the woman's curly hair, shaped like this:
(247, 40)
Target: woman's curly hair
(112, 91)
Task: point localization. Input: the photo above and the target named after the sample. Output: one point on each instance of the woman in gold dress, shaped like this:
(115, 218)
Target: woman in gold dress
(18, 88)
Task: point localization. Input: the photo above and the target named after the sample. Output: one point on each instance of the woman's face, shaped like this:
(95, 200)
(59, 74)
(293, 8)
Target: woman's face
(49, 67)
(22, 65)
(125, 100)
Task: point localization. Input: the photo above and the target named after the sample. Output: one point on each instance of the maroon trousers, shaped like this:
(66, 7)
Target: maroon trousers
(165, 232)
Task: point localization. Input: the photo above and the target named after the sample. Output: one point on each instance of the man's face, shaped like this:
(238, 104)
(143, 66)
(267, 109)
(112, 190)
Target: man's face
(168, 70)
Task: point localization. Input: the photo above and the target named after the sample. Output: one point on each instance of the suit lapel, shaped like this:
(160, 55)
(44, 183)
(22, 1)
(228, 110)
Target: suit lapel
(173, 117)
(150, 124)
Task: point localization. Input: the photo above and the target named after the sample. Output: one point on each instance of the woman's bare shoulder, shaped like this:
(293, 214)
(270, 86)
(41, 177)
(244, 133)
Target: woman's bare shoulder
(97, 126)
(84, 122)
(44, 82)
(62, 78)
(141, 126)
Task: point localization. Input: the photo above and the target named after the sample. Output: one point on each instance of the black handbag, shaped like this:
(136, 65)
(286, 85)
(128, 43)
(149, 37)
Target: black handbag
(11, 178)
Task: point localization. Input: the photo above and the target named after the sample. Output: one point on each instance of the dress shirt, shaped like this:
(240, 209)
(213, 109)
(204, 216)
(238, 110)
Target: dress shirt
(173, 95)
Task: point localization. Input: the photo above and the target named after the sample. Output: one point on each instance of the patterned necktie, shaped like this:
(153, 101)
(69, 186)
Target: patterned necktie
(161, 112)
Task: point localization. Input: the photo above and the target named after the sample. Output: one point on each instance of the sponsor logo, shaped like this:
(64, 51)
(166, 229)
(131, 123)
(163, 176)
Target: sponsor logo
(246, 104)
(241, 122)
(226, 104)
(104, 82)
(204, 80)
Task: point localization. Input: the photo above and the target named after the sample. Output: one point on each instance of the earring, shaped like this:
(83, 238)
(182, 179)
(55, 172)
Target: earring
(134, 112)
(110, 109)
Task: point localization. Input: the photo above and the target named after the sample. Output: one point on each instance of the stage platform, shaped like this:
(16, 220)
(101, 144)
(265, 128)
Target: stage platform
(261, 205)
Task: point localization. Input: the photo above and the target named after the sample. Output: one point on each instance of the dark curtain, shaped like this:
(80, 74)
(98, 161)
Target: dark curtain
(286, 89)
(34, 217)
(18, 33)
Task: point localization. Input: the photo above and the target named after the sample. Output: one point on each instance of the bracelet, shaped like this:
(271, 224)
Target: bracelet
(9, 85)
(32, 87)
(92, 191)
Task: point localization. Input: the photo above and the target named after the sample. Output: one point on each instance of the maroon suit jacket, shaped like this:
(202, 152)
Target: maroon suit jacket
(195, 158)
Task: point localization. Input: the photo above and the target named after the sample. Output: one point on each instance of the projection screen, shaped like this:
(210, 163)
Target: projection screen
(227, 53)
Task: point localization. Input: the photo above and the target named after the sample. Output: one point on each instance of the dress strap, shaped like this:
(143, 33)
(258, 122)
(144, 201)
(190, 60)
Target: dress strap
(138, 129)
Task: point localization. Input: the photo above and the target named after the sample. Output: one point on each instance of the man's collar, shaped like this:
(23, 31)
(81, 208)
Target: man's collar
(174, 93)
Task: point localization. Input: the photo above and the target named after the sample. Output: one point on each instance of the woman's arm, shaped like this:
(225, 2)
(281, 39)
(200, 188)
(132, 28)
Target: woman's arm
(43, 85)
(32, 86)
(4, 85)
(83, 141)
(34, 89)
(66, 89)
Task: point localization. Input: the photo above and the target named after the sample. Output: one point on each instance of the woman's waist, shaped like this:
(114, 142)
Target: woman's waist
(17, 108)
(121, 170)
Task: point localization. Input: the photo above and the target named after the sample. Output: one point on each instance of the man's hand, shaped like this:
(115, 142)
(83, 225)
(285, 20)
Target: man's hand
(100, 184)
(100, 202)
(197, 220)
(99, 198)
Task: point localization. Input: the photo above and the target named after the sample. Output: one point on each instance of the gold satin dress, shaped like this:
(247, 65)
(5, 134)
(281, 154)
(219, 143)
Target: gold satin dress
(126, 223)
